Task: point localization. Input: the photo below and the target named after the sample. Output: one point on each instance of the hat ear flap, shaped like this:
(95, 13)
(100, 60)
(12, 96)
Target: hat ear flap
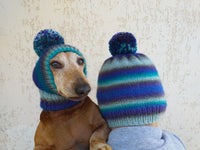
(39, 80)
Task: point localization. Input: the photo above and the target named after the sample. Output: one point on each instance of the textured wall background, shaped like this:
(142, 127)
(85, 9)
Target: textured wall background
(168, 31)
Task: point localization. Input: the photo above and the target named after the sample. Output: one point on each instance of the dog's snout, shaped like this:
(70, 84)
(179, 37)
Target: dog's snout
(82, 89)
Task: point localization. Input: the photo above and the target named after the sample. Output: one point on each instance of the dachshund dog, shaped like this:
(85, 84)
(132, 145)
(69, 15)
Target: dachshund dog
(80, 127)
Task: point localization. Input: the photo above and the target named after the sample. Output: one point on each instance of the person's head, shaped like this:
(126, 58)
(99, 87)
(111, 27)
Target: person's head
(129, 91)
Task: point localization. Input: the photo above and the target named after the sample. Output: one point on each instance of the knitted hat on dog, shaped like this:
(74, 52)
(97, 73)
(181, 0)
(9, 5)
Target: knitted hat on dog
(47, 44)
(129, 89)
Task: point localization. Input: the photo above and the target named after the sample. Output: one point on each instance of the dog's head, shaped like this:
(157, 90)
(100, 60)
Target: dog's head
(69, 77)
(60, 72)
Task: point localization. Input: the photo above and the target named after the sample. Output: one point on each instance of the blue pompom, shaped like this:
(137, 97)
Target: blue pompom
(45, 39)
(122, 43)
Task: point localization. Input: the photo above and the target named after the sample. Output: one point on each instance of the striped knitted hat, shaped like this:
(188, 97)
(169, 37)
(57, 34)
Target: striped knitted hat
(129, 89)
(47, 44)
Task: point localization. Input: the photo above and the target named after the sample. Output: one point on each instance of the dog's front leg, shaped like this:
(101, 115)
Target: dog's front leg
(99, 138)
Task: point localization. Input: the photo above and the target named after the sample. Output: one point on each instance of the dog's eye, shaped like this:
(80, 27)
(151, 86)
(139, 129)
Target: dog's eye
(80, 61)
(56, 65)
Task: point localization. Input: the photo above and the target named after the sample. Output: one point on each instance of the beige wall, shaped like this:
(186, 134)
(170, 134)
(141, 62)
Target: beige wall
(168, 31)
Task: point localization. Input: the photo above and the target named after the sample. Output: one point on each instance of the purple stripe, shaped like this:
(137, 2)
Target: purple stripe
(144, 110)
(130, 85)
(57, 105)
(123, 71)
(137, 91)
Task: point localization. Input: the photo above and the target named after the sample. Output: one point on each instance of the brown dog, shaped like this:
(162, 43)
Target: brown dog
(79, 127)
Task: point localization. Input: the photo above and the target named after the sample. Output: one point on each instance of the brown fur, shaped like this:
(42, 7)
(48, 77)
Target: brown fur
(77, 128)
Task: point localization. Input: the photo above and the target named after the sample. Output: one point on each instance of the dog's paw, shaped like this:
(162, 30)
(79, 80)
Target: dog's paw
(100, 146)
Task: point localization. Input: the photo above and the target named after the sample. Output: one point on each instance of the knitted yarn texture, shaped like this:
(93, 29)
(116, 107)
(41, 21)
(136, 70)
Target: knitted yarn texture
(47, 44)
(129, 89)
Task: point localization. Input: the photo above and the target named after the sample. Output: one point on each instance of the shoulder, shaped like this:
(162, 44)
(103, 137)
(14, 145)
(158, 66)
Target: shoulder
(168, 136)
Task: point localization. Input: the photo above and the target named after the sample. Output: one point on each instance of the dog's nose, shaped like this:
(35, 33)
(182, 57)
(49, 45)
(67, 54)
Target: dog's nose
(82, 89)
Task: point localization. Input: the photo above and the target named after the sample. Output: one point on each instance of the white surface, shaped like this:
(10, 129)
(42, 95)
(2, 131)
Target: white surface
(168, 31)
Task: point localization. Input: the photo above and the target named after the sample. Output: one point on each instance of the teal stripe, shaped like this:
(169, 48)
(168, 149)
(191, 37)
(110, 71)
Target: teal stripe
(129, 78)
(51, 97)
(134, 100)
(124, 106)
(38, 78)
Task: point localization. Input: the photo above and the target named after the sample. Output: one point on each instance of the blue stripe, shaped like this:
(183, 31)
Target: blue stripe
(127, 92)
(132, 85)
(57, 105)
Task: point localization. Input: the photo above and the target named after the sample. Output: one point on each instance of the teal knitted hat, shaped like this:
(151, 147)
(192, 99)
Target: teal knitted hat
(47, 44)
(129, 89)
